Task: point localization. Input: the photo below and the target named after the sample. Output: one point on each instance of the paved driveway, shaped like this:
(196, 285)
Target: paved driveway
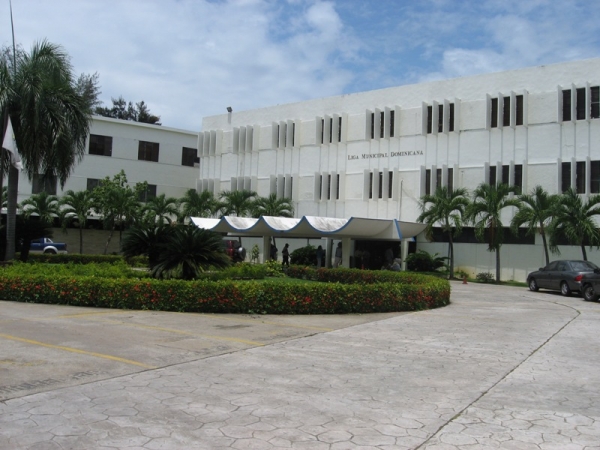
(498, 368)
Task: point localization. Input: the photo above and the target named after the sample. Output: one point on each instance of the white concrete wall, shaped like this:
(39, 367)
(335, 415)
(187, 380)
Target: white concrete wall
(170, 177)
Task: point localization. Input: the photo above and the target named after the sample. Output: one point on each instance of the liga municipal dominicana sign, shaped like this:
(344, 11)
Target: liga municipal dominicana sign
(385, 155)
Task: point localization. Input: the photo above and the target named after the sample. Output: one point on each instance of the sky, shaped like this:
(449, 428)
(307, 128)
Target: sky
(193, 58)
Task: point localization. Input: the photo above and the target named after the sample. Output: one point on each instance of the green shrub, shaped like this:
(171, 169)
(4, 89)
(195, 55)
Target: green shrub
(484, 277)
(274, 269)
(422, 261)
(76, 258)
(306, 256)
(241, 271)
(114, 270)
(226, 296)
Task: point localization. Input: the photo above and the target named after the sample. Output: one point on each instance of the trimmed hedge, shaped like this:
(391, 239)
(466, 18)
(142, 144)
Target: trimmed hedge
(77, 258)
(351, 276)
(270, 297)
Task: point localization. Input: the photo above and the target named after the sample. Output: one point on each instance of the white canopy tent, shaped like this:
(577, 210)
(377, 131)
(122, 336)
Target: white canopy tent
(314, 227)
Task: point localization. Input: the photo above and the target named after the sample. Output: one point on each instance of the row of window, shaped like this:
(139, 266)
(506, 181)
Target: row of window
(574, 174)
(581, 103)
(147, 151)
(327, 186)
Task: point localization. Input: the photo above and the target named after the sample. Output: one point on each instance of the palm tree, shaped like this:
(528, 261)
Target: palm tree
(446, 208)
(574, 220)
(485, 212)
(146, 241)
(198, 204)
(43, 205)
(240, 203)
(273, 206)
(76, 206)
(161, 209)
(50, 118)
(189, 251)
(535, 211)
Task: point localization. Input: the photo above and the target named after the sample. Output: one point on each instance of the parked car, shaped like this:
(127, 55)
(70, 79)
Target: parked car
(590, 286)
(46, 245)
(564, 276)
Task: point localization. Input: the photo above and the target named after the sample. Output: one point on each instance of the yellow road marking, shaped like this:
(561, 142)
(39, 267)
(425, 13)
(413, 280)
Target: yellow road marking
(76, 350)
(187, 333)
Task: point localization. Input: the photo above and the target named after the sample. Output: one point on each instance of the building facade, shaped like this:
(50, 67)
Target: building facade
(375, 154)
(164, 157)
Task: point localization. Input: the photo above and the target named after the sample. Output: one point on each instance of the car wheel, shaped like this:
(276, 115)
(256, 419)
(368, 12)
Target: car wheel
(50, 252)
(565, 289)
(533, 286)
(589, 294)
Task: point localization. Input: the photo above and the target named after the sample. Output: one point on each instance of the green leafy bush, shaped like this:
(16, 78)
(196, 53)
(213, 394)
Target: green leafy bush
(114, 270)
(272, 297)
(422, 261)
(241, 271)
(306, 256)
(274, 269)
(484, 277)
(73, 258)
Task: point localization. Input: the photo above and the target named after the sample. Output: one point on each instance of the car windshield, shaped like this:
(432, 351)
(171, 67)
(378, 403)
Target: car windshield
(583, 266)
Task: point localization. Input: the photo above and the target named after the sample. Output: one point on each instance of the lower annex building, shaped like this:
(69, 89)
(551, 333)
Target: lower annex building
(375, 154)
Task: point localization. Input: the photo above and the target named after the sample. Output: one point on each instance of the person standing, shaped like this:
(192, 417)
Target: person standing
(338, 255)
(320, 255)
(389, 257)
(285, 253)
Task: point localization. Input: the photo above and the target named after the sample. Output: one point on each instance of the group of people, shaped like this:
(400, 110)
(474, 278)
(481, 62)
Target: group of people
(285, 254)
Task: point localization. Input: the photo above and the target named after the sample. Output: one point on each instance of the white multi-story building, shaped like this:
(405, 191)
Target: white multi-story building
(164, 157)
(375, 154)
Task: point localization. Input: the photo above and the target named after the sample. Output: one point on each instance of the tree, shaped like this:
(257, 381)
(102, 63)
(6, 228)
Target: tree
(485, 213)
(76, 206)
(445, 208)
(195, 204)
(535, 212)
(50, 118)
(574, 220)
(42, 205)
(161, 209)
(273, 206)
(189, 251)
(147, 241)
(117, 203)
(123, 110)
(240, 203)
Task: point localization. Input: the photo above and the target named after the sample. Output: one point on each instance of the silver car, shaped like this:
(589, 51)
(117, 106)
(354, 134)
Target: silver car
(564, 276)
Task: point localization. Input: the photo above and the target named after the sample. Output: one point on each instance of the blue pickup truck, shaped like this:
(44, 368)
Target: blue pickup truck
(46, 245)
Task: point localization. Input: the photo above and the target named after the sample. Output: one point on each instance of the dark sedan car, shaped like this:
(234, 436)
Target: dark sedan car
(590, 286)
(564, 276)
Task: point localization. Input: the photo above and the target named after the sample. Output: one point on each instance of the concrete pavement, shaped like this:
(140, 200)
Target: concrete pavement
(500, 367)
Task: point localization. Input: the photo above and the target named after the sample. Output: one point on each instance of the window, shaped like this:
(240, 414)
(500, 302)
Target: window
(371, 185)
(566, 176)
(372, 125)
(382, 119)
(390, 183)
(148, 151)
(494, 121)
(148, 194)
(322, 131)
(337, 188)
(440, 118)
(506, 112)
(92, 183)
(580, 177)
(339, 129)
(428, 182)
(595, 103)
(566, 109)
(44, 183)
(518, 176)
(581, 112)
(451, 118)
(506, 175)
(595, 177)
(492, 175)
(438, 178)
(429, 119)
(580, 105)
(188, 156)
(321, 187)
(519, 111)
(381, 124)
(293, 134)
(380, 187)
(100, 145)
(329, 187)
(450, 179)
(330, 130)
(392, 119)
